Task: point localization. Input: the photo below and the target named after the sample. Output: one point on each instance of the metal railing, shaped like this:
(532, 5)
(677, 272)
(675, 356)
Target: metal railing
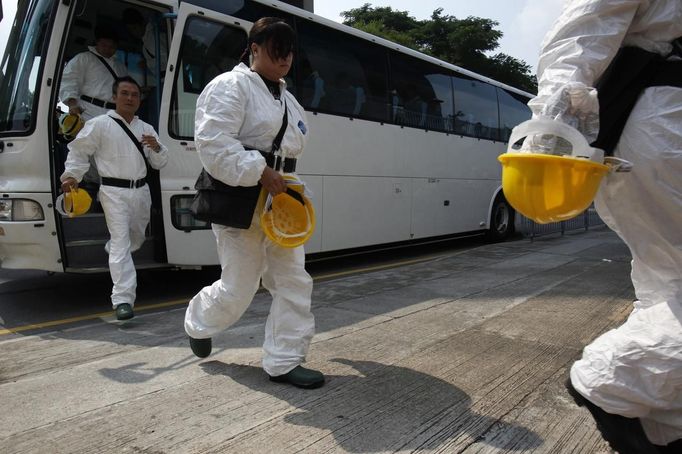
(529, 229)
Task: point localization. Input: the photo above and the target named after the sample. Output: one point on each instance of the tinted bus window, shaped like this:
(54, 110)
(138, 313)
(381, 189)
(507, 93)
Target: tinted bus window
(513, 110)
(340, 74)
(476, 112)
(208, 49)
(421, 94)
(22, 65)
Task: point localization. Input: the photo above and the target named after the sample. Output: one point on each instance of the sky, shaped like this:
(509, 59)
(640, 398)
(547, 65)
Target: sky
(522, 22)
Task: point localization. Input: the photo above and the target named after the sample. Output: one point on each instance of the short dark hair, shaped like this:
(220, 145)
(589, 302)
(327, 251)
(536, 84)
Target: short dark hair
(114, 88)
(106, 31)
(275, 34)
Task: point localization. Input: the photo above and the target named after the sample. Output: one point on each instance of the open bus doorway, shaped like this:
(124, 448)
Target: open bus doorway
(141, 32)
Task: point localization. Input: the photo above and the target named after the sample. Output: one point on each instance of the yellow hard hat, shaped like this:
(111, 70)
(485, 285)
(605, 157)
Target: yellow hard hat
(70, 125)
(73, 203)
(551, 188)
(288, 219)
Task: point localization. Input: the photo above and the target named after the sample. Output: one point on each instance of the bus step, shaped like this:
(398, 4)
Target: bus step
(91, 254)
(140, 265)
(91, 226)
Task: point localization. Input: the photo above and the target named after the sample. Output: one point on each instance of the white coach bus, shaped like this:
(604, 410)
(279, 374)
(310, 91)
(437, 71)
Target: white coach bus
(402, 146)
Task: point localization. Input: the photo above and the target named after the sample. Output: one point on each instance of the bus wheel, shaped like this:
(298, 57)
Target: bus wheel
(501, 220)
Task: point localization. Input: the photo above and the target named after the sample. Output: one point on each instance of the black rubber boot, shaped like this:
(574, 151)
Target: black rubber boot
(625, 435)
(124, 312)
(201, 347)
(301, 378)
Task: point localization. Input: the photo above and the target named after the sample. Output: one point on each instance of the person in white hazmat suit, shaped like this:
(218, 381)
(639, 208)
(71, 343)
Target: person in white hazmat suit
(239, 113)
(630, 378)
(86, 82)
(124, 192)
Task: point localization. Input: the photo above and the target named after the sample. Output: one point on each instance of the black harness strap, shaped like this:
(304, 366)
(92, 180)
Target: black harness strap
(130, 134)
(631, 71)
(106, 65)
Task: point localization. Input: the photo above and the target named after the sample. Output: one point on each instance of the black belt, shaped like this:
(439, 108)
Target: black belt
(122, 183)
(98, 102)
(277, 162)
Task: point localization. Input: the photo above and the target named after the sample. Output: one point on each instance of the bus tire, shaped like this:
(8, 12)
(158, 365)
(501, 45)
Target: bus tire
(501, 220)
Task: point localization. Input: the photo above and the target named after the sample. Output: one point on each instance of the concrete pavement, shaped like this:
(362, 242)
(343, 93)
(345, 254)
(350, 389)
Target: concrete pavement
(462, 353)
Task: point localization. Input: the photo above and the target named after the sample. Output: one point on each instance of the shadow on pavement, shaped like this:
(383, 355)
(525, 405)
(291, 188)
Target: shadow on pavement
(383, 409)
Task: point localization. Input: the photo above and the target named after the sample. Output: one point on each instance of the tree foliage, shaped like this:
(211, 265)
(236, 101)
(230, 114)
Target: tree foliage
(463, 42)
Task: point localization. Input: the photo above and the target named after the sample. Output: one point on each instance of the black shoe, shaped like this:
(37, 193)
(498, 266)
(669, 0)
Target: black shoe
(625, 435)
(201, 347)
(124, 312)
(301, 377)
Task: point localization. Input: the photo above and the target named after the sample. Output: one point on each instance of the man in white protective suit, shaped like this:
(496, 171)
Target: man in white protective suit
(630, 378)
(87, 78)
(120, 143)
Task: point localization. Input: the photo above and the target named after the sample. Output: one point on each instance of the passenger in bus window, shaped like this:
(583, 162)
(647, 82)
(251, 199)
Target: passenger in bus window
(415, 107)
(121, 145)
(345, 98)
(629, 378)
(238, 116)
(88, 76)
(311, 92)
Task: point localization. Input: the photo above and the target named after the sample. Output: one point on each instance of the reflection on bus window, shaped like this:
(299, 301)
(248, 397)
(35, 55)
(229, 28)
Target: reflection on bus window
(421, 95)
(475, 109)
(21, 66)
(513, 110)
(341, 74)
(208, 49)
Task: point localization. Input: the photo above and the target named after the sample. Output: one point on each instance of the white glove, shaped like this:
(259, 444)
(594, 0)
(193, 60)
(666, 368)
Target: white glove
(575, 104)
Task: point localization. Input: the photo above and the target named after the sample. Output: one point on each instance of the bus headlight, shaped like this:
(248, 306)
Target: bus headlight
(20, 210)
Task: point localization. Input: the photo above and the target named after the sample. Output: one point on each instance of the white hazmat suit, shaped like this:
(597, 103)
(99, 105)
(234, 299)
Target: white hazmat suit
(127, 210)
(85, 75)
(634, 370)
(236, 110)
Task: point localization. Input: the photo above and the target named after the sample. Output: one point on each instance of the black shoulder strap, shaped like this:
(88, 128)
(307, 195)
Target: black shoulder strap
(106, 65)
(127, 130)
(285, 121)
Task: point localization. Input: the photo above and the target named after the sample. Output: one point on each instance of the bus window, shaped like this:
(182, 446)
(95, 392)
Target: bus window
(208, 49)
(349, 73)
(421, 94)
(476, 112)
(21, 66)
(513, 110)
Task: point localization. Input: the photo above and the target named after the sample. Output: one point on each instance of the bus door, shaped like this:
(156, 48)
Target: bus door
(205, 44)
(28, 231)
(84, 237)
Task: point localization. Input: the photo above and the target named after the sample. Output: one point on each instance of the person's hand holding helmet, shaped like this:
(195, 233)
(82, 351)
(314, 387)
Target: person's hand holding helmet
(573, 103)
(272, 181)
(68, 184)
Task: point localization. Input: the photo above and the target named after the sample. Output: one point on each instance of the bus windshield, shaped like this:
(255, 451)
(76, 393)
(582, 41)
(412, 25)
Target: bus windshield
(21, 62)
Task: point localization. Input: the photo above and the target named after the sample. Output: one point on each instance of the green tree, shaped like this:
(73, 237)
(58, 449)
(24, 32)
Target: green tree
(463, 42)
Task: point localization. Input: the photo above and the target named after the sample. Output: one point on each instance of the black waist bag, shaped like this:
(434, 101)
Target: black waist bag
(232, 206)
(219, 203)
(631, 71)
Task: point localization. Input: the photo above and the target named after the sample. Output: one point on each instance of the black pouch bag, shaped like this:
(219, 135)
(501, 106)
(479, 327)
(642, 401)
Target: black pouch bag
(219, 203)
(232, 206)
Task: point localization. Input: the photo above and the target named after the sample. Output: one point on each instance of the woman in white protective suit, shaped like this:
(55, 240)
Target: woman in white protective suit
(239, 113)
(630, 378)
